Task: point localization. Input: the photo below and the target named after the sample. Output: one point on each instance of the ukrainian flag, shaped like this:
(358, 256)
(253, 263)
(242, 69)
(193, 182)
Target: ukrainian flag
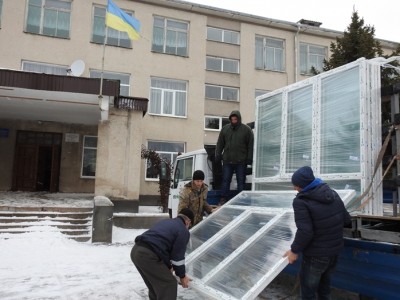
(120, 20)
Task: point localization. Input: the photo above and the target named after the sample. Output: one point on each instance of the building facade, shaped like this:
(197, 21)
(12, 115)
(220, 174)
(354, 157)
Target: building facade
(194, 64)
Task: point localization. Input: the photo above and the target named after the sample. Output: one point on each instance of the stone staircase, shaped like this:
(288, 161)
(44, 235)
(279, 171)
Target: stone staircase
(74, 222)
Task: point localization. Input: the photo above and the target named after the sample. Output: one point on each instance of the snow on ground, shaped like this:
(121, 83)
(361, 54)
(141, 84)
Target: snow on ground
(47, 265)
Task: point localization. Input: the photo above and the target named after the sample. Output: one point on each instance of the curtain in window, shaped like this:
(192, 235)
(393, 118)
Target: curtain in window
(33, 19)
(155, 101)
(180, 105)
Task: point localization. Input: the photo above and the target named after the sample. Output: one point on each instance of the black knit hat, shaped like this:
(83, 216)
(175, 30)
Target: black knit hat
(303, 177)
(188, 213)
(198, 175)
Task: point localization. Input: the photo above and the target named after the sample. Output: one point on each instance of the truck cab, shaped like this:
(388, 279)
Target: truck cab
(202, 159)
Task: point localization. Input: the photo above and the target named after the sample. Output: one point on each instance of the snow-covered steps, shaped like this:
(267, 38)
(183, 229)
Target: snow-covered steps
(75, 222)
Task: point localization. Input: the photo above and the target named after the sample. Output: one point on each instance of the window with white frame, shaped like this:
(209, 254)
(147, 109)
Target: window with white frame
(223, 35)
(35, 67)
(89, 154)
(49, 17)
(311, 56)
(215, 123)
(114, 37)
(167, 151)
(170, 36)
(222, 92)
(168, 97)
(222, 64)
(270, 54)
(123, 79)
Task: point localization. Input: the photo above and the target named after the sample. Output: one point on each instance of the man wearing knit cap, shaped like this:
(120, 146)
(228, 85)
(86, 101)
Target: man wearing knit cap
(194, 196)
(159, 251)
(320, 216)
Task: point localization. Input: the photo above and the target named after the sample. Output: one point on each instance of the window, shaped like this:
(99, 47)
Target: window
(222, 64)
(167, 150)
(51, 69)
(222, 92)
(215, 123)
(89, 156)
(311, 56)
(170, 36)
(123, 78)
(260, 92)
(269, 54)
(222, 35)
(114, 37)
(49, 17)
(1, 6)
(168, 97)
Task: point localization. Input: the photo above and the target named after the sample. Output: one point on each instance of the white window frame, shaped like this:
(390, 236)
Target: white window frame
(45, 6)
(263, 58)
(308, 56)
(220, 122)
(222, 63)
(83, 155)
(164, 93)
(172, 154)
(44, 68)
(123, 78)
(224, 90)
(181, 35)
(114, 37)
(223, 35)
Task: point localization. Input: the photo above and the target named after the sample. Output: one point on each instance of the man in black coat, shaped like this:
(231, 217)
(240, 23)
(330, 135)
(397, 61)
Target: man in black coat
(320, 216)
(161, 250)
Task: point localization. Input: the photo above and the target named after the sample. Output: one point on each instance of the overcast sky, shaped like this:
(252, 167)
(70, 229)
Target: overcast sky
(336, 14)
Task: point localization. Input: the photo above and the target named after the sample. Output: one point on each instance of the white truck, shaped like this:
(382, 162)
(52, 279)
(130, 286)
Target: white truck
(202, 159)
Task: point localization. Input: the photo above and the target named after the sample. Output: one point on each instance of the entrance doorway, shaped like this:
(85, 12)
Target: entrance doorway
(37, 161)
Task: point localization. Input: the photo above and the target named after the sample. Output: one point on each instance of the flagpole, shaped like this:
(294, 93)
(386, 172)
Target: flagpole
(102, 66)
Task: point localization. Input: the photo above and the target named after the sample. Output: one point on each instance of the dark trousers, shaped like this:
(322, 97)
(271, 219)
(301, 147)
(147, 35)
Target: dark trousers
(158, 278)
(315, 277)
(227, 173)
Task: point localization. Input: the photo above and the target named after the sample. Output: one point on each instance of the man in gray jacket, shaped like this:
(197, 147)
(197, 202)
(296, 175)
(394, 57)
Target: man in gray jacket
(235, 149)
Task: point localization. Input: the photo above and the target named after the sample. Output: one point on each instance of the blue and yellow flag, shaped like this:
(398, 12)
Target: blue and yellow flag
(120, 20)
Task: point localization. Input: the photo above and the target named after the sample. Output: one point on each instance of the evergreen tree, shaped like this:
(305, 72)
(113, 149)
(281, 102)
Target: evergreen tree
(358, 41)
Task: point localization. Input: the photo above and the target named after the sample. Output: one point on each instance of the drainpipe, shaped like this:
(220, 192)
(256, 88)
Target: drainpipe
(296, 50)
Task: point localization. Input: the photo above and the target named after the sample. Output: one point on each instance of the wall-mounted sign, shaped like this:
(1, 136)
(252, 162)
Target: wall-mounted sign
(72, 138)
(4, 132)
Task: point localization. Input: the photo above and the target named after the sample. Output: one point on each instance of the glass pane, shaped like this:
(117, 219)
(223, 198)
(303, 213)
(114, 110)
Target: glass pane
(89, 162)
(340, 127)
(204, 231)
(211, 123)
(90, 141)
(214, 64)
(183, 171)
(269, 136)
(231, 66)
(270, 200)
(299, 129)
(213, 92)
(229, 243)
(256, 260)
(230, 94)
(214, 34)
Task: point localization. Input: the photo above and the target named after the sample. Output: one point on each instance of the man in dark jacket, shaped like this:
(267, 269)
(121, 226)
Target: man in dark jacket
(235, 149)
(161, 250)
(320, 216)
